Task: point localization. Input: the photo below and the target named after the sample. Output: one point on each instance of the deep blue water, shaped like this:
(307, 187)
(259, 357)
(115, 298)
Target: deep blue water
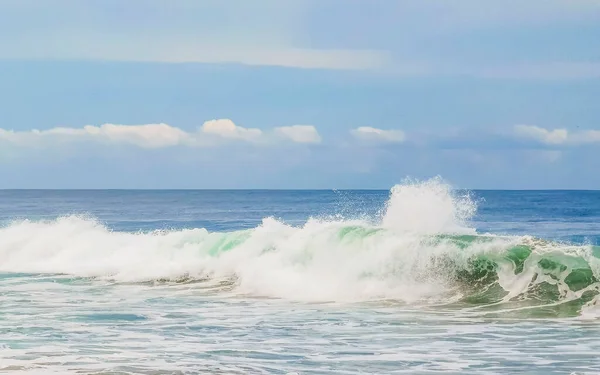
(565, 215)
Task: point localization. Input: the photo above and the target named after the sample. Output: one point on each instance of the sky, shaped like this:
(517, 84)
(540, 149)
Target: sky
(299, 94)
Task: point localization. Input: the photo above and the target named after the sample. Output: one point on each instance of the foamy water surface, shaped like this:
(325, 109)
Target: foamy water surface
(258, 282)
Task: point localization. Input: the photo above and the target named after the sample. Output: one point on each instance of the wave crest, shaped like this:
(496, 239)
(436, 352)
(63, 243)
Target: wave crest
(434, 257)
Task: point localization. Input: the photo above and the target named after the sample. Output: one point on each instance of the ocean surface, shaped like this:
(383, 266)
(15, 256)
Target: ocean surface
(421, 279)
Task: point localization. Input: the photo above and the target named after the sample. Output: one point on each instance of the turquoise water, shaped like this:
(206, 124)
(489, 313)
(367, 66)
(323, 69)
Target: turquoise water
(419, 280)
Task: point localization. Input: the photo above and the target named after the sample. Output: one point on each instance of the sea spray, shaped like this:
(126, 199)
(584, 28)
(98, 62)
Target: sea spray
(428, 207)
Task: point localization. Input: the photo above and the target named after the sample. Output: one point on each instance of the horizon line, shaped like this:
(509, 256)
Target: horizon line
(281, 189)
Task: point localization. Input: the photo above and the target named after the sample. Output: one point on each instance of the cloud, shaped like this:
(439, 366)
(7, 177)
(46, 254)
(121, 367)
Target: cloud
(224, 131)
(557, 136)
(294, 34)
(227, 129)
(367, 133)
(550, 137)
(151, 50)
(299, 133)
(146, 136)
(263, 33)
(153, 136)
(587, 136)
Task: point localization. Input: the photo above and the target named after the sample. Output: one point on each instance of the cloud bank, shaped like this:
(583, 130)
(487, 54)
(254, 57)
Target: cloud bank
(153, 136)
(294, 34)
(221, 131)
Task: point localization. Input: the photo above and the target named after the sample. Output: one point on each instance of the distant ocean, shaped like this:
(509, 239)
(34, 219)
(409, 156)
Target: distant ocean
(421, 279)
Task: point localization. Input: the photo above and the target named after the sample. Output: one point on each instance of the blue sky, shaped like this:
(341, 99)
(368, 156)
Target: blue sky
(299, 94)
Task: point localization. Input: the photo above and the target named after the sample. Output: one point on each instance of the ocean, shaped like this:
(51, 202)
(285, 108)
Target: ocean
(419, 279)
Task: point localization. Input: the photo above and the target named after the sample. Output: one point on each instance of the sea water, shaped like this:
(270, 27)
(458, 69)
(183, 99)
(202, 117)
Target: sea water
(420, 279)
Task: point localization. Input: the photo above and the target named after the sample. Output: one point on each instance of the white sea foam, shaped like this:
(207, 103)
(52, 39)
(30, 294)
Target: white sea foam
(319, 261)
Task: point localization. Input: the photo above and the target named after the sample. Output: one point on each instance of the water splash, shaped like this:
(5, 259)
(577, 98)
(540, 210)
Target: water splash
(428, 207)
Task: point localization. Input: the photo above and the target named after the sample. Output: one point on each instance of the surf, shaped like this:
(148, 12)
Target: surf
(420, 250)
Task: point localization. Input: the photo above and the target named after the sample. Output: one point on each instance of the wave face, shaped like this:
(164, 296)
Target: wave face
(421, 250)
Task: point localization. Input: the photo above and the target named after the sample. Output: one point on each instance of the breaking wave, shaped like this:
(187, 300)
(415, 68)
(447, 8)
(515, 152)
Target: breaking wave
(421, 250)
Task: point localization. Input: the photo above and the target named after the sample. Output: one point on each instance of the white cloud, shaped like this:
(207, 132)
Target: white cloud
(158, 135)
(147, 136)
(368, 133)
(299, 133)
(227, 129)
(551, 137)
(557, 136)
